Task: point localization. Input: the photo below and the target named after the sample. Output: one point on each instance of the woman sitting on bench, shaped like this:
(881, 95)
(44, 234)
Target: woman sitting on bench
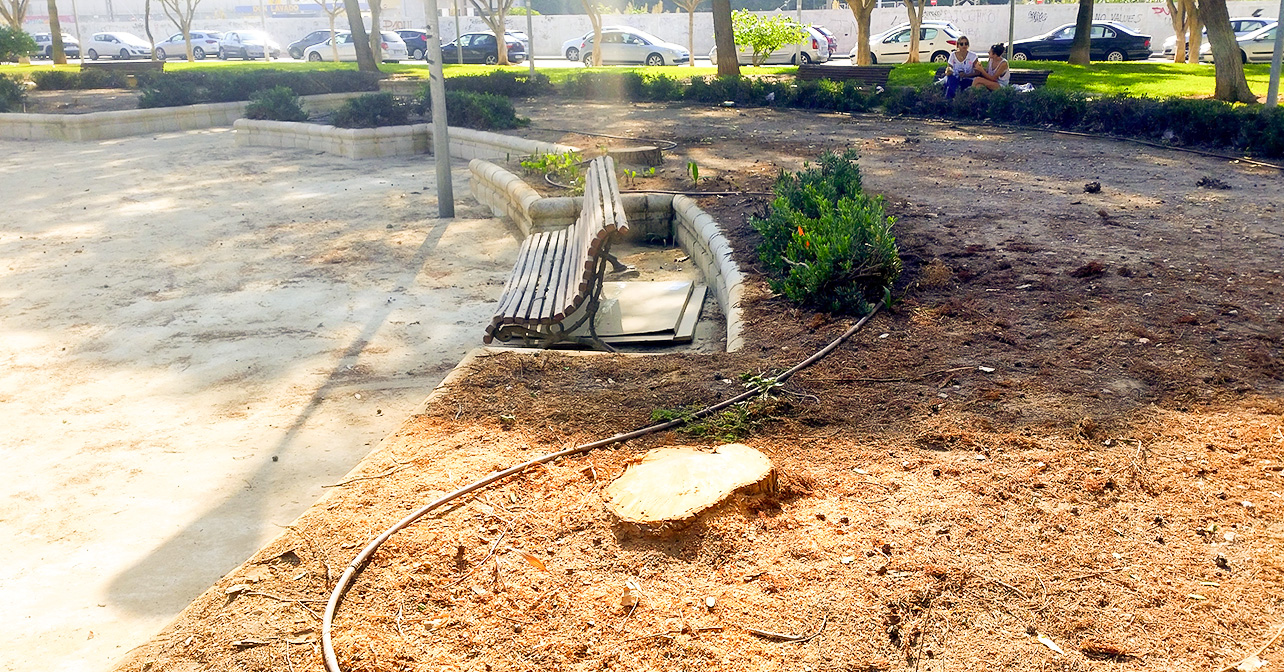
(961, 68)
(995, 74)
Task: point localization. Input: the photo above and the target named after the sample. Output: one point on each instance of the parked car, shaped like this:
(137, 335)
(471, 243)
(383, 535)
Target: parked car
(1255, 47)
(633, 46)
(416, 43)
(391, 47)
(830, 37)
(812, 49)
(203, 42)
(1110, 41)
(935, 42)
(44, 45)
(247, 45)
(482, 48)
(1242, 26)
(296, 48)
(117, 45)
(571, 47)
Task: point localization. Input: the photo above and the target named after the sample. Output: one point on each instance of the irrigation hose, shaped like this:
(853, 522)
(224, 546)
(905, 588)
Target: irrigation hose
(359, 562)
(664, 145)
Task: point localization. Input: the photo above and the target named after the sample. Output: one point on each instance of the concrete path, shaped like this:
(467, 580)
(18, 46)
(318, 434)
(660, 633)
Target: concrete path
(194, 338)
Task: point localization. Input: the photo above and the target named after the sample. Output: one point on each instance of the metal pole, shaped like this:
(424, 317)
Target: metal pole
(75, 17)
(267, 53)
(459, 53)
(530, 38)
(1012, 25)
(440, 132)
(1273, 90)
(797, 45)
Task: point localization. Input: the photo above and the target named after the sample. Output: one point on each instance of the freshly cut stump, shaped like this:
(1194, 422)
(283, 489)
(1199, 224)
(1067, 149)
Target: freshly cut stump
(676, 484)
(637, 156)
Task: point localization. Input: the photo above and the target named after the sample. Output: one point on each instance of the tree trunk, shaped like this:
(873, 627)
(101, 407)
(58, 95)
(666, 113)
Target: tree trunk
(1232, 87)
(334, 46)
(147, 27)
(691, 35)
(501, 33)
(915, 11)
(863, 12)
(376, 31)
(724, 37)
(360, 38)
(187, 37)
(1194, 31)
(1177, 14)
(55, 35)
(1081, 48)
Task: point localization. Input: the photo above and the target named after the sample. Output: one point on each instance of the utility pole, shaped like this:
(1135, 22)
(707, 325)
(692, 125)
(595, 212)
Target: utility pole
(440, 131)
(459, 53)
(1273, 90)
(530, 37)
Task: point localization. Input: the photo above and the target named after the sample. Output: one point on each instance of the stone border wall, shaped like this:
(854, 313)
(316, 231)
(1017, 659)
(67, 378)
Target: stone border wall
(125, 123)
(367, 143)
(658, 215)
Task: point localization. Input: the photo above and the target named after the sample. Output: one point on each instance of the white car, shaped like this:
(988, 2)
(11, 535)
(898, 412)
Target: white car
(812, 49)
(117, 45)
(935, 42)
(392, 48)
(247, 45)
(632, 46)
(203, 42)
(44, 45)
(571, 47)
(1241, 26)
(1255, 47)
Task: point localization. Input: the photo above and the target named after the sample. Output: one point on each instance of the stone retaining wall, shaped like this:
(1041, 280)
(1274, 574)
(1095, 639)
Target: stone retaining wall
(657, 215)
(366, 143)
(125, 123)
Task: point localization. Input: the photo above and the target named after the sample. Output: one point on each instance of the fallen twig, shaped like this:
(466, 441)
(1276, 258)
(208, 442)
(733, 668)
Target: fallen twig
(366, 478)
(1090, 575)
(791, 638)
(1006, 585)
(483, 560)
(298, 603)
(1278, 631)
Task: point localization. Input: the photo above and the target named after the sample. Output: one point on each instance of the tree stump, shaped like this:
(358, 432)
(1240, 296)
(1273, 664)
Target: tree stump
(636, 156)
(675, 484)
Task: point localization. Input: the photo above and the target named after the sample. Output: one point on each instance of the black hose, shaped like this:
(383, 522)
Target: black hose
(350, 572)
(664, 145)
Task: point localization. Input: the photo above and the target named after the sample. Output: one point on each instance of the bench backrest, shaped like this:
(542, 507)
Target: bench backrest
(601, 217)
(866, 74)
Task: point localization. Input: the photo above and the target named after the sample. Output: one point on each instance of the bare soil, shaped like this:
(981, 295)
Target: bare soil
(1068, 435)
(81, 102)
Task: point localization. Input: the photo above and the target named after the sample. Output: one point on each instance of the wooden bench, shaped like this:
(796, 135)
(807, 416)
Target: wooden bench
(556, 284)
(1031, 77)
(866, 75)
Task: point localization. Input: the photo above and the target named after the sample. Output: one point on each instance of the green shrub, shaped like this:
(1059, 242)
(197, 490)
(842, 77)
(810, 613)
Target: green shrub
(276, 104)
(502, 83)
(372, 110)
(12, 94)
(61, 79)
(482, 111)
(15, 43)
(189, 87)
(825, 243)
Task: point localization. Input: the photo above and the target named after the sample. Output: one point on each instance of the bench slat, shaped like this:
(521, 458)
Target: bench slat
(533, 292)
(512, 288)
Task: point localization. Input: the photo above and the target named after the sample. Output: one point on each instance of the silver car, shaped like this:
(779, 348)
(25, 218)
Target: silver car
(632, 46)
(204, 42)
(814, 48)
(117, 45)
(1255, 47)
(392, 48)
(44, 45)
(247, 45)
(1241, 26)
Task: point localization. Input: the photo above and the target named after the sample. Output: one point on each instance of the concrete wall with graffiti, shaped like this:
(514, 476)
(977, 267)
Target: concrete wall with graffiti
(984, 24)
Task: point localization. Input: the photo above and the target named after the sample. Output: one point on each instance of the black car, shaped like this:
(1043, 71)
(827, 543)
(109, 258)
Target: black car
(315, 37)
(1110, 42)
(416, 42)
(482, 48)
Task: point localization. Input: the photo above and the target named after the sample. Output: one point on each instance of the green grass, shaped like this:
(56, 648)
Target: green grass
(1157, 80)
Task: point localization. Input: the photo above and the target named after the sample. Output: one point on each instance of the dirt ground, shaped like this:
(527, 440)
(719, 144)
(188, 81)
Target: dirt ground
(1061, 450)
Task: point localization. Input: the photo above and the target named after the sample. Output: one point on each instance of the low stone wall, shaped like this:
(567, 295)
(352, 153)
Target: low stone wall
(125, 123)
(650, 215)
(367, 143)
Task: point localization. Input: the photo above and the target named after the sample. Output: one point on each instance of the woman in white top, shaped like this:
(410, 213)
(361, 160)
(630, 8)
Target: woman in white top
(961, 68)
(995, 74)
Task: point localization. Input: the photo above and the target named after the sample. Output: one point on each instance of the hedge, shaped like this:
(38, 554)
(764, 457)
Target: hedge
(191, 87)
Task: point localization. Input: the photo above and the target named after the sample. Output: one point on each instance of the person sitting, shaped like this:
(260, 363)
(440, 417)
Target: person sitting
(961, 68)
(995, 74)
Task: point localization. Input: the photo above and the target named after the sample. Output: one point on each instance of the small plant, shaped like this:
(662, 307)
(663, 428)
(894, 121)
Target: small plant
(650, 172)
(12, 94)
(372, 110)
(731, 424)
(693, 169)
(630, 176)
(276, 104)
(564, 168)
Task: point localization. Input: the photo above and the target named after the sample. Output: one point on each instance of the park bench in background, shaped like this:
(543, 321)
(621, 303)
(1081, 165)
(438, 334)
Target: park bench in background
(556, 284)
(127, 68)
(1031, 77)
(865, 75)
